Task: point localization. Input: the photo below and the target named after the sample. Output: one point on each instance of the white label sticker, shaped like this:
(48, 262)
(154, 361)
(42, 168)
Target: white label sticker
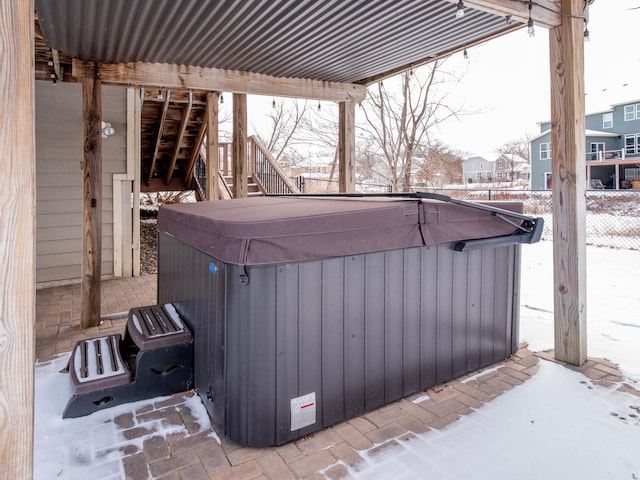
(303, 411)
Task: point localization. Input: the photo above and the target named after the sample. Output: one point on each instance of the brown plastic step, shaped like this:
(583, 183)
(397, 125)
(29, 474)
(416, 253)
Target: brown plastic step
(96, 364)
(157, 326)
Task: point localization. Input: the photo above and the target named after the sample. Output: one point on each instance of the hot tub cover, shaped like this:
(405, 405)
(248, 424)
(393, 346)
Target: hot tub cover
(270, 230)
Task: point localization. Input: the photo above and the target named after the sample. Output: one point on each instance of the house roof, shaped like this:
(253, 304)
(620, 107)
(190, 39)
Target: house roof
(587, 132)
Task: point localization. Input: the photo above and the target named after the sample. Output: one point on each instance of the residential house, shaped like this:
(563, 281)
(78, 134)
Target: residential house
(509, 167)
(612, 146)
(506, 168)
(477, 169)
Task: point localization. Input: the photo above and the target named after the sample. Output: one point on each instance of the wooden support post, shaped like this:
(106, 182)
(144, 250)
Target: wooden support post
(347, 146)
(239, 155)
(17, 238)
(213, 156)
(568, 184)
(92, 202)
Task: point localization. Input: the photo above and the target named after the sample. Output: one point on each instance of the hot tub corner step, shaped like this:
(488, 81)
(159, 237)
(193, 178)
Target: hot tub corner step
(96, 364)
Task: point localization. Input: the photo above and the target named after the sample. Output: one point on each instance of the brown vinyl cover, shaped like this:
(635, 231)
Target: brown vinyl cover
(268, 230)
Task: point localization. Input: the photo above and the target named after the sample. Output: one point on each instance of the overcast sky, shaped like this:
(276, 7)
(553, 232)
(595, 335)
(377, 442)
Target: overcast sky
(507, 79)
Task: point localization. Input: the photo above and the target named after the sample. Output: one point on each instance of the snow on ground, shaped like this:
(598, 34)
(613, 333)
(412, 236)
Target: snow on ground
(554, 426)
(558, 425)
(613, 303)
(91, 446)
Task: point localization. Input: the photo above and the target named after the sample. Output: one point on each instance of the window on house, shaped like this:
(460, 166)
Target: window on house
(545, 151)
(479, 175)
(499, 174)
(632, 112)
(632, 143)
(597, 151)
(607, 120)
(499, 165)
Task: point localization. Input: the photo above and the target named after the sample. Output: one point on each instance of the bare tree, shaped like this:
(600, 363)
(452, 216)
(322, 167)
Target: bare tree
(440, 165)
(514, 156)
(398, 121)
(285, 120)
(519, 147)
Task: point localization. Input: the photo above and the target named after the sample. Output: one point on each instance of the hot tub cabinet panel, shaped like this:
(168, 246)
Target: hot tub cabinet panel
(307, 344)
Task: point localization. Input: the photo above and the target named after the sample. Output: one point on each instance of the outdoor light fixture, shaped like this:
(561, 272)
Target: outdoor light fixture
(530, 30)
(460, 9)
(107, 130)
(586, 34)
(159, 97)
(465, 54)
(221, 99)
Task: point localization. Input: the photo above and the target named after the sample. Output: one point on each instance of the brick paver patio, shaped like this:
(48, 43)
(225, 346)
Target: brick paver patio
(195, 453)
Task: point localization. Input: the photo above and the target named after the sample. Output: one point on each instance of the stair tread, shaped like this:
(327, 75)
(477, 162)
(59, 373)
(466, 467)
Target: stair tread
(96, 363)
(157, 326)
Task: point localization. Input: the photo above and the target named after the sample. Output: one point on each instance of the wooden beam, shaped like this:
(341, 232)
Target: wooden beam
(163, 117)
(545, 13)
(346, 146)
(213, 156)
(215, 79)
(91, 202)
(194, 153)
(239, 152)
(151, 94)
(566, 44)
(55, 55)
(183, 129)
(137, 177)
(17, 238)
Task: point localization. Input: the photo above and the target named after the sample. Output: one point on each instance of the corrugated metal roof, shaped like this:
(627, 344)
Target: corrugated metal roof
(330, 40)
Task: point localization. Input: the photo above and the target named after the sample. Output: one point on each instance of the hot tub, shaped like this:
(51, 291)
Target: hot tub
(309, 311)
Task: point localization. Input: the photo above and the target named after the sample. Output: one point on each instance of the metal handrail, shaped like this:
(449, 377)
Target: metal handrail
(266, 170)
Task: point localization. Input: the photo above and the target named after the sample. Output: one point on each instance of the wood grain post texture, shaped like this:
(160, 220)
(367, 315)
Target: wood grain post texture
(239, 156)
(346, 146)
(568, 184)
(213, 155)
(91, 202)
(17, 238)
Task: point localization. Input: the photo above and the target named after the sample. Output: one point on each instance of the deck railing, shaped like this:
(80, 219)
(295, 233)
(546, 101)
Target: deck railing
(603, 155)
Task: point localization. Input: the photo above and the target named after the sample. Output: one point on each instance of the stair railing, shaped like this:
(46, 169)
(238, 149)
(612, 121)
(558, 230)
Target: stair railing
(266, 172)
(270, 177)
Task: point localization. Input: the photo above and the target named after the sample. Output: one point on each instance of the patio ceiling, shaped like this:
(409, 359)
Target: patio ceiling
(356, 41)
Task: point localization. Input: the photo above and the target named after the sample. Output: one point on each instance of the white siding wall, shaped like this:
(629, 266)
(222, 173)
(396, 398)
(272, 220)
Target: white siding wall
(59, 178)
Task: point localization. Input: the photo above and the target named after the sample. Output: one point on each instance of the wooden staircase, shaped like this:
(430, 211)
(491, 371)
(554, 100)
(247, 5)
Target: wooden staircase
(254, 189)
(264, 174)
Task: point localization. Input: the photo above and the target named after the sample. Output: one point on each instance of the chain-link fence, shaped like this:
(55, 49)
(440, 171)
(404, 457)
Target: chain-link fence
(613, 216)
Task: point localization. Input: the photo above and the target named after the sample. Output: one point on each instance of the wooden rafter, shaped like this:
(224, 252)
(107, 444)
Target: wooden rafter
(215, 79)
(163, 117)
(177, 96)
(545, 13)
(181, 132)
